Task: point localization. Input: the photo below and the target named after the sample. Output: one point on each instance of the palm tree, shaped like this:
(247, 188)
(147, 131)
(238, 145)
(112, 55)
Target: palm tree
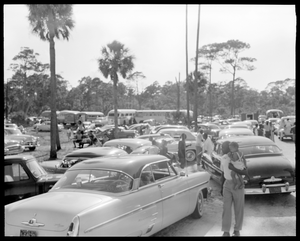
(115, 59)
(50, 21)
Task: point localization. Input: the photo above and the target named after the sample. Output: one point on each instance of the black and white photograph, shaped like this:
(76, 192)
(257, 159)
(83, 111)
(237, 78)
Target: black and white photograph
(161, 120)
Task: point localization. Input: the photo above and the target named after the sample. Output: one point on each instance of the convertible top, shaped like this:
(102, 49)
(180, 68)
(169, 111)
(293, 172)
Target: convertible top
(130, 164)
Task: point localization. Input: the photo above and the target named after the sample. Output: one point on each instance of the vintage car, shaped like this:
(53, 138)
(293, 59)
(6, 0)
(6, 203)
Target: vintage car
(283, 132)
(12, 147)
(153, 136)
(156, 129)
(239, 126)
(211, 129)
(131, 195)
(138, 126)
(241, 123)
(45, 126)
(60, 166)
(24, 177)
(176, 133)
(270, 171)
(262, 118)
(251, 123)
(235, 132)
(122, 133)
(172, 143)
(27, 141)
(232, 120)
(146, 150)
(126, 144)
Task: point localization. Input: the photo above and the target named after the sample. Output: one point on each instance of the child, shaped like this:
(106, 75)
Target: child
(238, 161)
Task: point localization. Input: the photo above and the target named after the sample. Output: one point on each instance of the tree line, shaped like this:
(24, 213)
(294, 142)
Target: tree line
(28, 91)
(35, 86)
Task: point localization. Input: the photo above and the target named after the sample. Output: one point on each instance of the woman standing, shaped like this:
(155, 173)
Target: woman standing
(181, 150)
(231, 196)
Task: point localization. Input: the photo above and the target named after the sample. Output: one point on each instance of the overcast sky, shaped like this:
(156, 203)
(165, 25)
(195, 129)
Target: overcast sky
(155, 35)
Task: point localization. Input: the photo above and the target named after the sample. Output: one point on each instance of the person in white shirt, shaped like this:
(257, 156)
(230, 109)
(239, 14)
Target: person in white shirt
(199, 145)
(231, 196)
(208, 145)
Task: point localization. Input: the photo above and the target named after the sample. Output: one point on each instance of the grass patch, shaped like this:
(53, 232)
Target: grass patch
(42, 152)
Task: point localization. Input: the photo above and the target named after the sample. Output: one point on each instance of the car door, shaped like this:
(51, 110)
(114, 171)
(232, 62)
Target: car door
(173, 187)
(215, 168)
(18, 183)
(149, 218)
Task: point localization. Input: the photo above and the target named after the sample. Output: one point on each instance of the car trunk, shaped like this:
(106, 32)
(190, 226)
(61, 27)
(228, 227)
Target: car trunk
(264, 167)
(56, 218)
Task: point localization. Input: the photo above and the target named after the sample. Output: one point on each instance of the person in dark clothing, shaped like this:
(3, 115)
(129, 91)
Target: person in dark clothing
(181, 150)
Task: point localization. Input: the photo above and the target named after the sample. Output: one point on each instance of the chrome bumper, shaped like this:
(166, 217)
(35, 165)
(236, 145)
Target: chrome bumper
(271, 189)
(27, 145)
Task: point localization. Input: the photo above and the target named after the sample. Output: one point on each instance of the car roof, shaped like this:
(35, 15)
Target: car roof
(23, 156)
(130, 164)
(235, 131)
(249, 141)
(128, 141)
(173, 130)
(96, 151)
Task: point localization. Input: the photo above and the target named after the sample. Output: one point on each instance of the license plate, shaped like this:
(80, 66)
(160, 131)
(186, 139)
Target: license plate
(275, 189)
(27, 233)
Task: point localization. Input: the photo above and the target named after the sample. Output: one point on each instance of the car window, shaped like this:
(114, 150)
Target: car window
(260, 149)
(162, 170)
(146, 177)
(14, 172)
(96, 180)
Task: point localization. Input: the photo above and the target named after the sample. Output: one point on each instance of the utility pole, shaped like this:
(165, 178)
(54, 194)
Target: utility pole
(187, 71)
(196, 74)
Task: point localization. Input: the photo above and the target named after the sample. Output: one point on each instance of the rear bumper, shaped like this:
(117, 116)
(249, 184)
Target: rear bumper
(270, 189)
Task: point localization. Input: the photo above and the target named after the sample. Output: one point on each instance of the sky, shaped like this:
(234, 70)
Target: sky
(155, 35)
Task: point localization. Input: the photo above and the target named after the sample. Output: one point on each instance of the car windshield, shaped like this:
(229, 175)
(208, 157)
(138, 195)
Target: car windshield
(13, 131)
(36, 170)
(96, 180)
(260, 149)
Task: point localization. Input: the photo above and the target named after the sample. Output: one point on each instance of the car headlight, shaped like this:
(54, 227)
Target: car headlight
(74, 227)
(22, 142)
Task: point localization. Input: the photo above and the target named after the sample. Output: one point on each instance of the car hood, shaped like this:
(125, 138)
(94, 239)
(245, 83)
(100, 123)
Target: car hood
(20, 137)
(8, 142)
(261, 167)
(53, 209)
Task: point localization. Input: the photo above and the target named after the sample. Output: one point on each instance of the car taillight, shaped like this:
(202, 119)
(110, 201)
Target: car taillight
(74, 227)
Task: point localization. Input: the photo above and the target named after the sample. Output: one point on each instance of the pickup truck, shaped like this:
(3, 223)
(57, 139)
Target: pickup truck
(24, 177)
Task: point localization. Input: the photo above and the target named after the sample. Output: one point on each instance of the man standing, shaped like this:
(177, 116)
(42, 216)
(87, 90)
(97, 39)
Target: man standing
(199, 146)
(208, 145)
(231, 196)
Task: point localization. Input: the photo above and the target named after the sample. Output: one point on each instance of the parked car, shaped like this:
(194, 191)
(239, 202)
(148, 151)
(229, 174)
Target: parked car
(241, 123)
(122, 133)
(12, 147)
(269, 169)
(74, 157)
(211, 129)
(239, 126)
(10, 125)
(251, 123)
(282, 132)
(235, 132)
(46, 125)
(232, 120)
(27, 141)
(131, 195)
(24, 177)
(154, 136)
(126, 144)
(172, 143)
(262, 118)
(161, 127)
(176, 133)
